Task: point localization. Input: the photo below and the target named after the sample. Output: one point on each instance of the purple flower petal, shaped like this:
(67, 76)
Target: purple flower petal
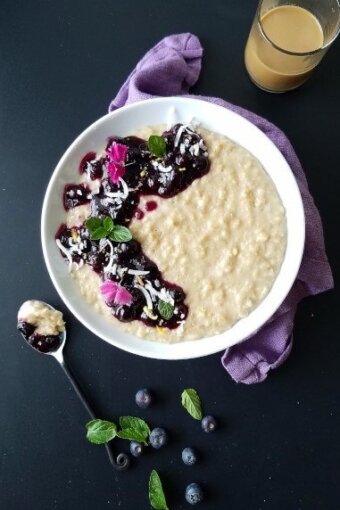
(115, 171)
(117, 152)
(115, 167)
(123, 297)
(109, 290)
(113, 292)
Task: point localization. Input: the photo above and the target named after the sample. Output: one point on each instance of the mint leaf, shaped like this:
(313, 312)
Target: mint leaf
(134, 429)
(165, 309)
(156, 493)
(192, 403)
(93, 223)
(121, 234)
(132, 435)
(104, 227)
(97, 234)
(157, 145)
(108, 224)
(127, 422)
(100, 431)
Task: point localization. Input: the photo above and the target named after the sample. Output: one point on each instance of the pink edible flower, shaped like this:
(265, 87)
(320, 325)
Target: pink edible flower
(115, 171)
(123, 296)
(116, 153)
(109, 290)
(112, 291)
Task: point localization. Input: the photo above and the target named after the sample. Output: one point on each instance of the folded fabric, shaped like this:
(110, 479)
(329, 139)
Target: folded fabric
(171, 68)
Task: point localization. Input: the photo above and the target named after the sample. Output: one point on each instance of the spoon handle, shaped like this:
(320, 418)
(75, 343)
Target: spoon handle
(122, 462)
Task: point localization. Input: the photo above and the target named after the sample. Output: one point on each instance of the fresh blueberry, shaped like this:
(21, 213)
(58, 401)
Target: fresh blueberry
(209, 424)
(189, 456)
(158, 438)
(136, 448)
(143, 398)
(193, 494)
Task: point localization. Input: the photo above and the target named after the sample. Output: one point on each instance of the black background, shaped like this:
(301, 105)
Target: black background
(278, 443)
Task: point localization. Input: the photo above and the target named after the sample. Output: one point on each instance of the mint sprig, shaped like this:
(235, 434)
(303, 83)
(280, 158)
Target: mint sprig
(100, 228)
(156, 493)
(100, 431)
(132, 429)
(157, 145)
(165, 309)
(192, 403)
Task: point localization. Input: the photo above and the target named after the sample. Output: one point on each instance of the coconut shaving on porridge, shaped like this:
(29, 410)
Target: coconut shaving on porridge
(174, 235)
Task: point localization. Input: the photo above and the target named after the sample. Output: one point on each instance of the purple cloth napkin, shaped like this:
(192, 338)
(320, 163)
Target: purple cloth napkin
(170, 68)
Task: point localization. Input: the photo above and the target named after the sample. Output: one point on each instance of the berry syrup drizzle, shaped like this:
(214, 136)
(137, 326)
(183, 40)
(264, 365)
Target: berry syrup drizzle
(76, 194)
(185, 159)
(42, 343)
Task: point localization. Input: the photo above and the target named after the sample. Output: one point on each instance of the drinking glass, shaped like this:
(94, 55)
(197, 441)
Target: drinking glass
(277, 67)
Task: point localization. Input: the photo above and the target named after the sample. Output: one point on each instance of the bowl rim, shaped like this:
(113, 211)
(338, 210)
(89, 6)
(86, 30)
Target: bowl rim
(173, 351)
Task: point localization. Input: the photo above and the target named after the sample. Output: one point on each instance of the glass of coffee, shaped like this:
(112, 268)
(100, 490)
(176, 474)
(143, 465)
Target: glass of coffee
(287, 41)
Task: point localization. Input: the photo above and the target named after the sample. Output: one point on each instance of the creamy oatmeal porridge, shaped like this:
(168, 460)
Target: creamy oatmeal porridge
(222, 240)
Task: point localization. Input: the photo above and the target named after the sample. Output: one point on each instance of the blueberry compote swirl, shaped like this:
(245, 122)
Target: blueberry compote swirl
(185, 159)
(42, 343)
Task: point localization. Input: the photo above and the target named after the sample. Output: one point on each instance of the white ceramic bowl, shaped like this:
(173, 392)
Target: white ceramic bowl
(153, 112)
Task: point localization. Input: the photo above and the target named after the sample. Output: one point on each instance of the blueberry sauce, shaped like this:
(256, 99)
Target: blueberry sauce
(132, 269)
(92, 166)
(42, 343)
(139, 215)
(151, 205)
(185, 159)
(76, 194)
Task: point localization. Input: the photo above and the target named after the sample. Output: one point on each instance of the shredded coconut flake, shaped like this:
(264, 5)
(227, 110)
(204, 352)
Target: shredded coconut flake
(182, 148)
(125, 187)
(138, 272)
(178, 135)
(115, 194)
(102, 243)
(163, 294)
(109, 266)
(66, 252)
(146, 295)
(164, 169)
(111, 270)
(195, 149)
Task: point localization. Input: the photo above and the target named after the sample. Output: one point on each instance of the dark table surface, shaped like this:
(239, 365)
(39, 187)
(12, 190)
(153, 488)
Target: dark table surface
(278, 443)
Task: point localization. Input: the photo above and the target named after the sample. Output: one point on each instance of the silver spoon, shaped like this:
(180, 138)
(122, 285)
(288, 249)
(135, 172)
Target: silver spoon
(122, 461)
